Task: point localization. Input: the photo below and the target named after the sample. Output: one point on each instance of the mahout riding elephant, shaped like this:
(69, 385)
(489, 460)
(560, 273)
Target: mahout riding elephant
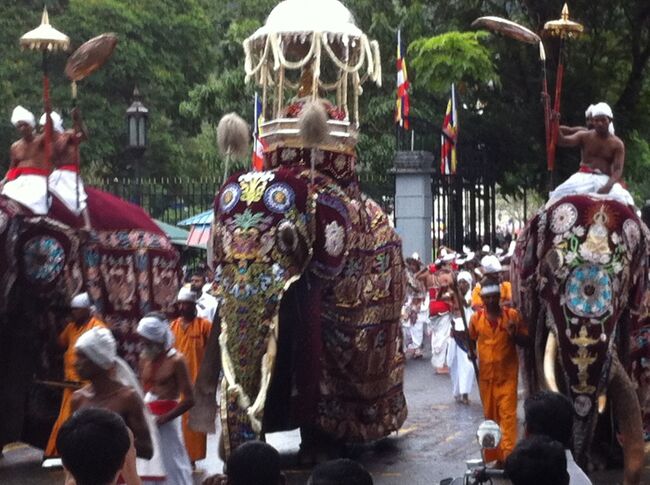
(579, 274)
(312, 283)
(126, 264)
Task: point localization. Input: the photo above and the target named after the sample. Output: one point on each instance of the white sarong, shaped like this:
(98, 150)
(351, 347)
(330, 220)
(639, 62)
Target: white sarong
(174, 455)
(30, 191)
(440, 330)
(63, 184)
(589, 183)
(461, 369)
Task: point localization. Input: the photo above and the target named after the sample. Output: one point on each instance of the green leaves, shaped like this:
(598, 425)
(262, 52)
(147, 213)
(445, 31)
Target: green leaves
(453, 57)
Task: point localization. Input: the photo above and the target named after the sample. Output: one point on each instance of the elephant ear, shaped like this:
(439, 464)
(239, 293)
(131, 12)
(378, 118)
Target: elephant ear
(332, 233)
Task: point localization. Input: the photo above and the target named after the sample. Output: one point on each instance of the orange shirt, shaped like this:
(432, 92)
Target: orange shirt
(191, 342)
(506, 294)
(497, 352)
(67, 339)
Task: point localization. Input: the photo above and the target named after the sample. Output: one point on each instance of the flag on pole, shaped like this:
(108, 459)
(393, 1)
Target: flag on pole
(449, 137)
(258, 144)
(402, 106)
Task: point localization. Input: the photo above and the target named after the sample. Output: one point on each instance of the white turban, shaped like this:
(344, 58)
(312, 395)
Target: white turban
(82, 300)
(490, 264)
(490, 290)
(590, 112)
(187, 295)
(465, 276)
(415, 256)
(20, 114)
(157, 330)
(448, 258)
(99, 346)
(486, 248)
(57, 122)
(602, 109)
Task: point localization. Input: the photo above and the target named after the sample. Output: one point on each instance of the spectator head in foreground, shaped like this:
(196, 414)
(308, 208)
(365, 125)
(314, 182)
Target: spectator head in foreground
(340, 472)
(551, 414)
(254, 463)
(537, 460)
(93, 444)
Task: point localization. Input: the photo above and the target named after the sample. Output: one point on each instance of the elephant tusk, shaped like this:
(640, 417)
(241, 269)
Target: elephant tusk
(550, 353)
(602, 403)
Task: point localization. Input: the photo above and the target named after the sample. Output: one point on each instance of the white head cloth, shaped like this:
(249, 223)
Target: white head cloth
(490, 265)
(99, 346)
(57, 122)
(490, 290)
(415, 256)
(82, 300)
(590, 112)
(20, 114)
(602, 109)
(157, 330)
(448, 257)
(486, 248)
(186, 294)
(465, 276)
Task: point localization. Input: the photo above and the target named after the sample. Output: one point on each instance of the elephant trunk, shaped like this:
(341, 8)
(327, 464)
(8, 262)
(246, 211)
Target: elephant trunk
(550, 355)
(627, 414)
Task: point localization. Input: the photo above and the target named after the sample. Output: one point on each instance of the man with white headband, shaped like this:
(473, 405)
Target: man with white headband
(601, 166)
(497, 331)
(491, 269)
(191, 334)
(461, 369)
(114, 386)
(169, 394)
(65, 182)
(82, 321)
(26, 179)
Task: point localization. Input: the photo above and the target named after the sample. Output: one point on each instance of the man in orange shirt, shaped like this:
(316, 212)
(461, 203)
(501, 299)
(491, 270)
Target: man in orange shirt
(82, 321)
(492, 269)
(497, 331)
(191, 337)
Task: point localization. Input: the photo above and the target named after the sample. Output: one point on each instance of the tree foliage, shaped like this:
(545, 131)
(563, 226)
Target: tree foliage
(187, 60)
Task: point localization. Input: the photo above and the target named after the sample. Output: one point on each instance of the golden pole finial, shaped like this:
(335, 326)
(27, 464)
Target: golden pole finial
(565, 12)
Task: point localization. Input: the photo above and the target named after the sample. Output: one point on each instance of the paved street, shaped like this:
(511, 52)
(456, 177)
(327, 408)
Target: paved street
(433, 444)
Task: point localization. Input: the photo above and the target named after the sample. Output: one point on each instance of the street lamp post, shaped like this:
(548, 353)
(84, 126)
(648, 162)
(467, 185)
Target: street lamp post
(137, 116)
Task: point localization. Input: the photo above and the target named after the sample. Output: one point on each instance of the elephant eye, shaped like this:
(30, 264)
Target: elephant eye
(279, 198)
(229, 197)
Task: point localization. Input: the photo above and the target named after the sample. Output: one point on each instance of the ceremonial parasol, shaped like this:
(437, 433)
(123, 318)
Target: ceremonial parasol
(89, 57)
(562, 28)
(46, 39)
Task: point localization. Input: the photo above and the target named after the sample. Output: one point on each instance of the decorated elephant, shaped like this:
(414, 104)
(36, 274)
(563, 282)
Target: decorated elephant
(312, 284)
(309, 269)
(579, 273)
(126, 264)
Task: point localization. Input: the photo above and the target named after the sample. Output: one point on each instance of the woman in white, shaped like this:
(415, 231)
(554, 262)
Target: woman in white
(461, 369)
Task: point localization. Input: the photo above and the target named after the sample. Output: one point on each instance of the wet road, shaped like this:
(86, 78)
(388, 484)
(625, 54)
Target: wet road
(433, 443)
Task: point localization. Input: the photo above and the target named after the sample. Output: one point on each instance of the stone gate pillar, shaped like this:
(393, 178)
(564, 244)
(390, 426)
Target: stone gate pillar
(413, 202)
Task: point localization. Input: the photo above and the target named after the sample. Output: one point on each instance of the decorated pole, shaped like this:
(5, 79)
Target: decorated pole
(46, 39)
(564, 29)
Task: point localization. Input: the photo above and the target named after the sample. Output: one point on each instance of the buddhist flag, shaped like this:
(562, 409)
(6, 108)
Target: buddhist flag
(402, 107)
(258, 144)
(449, 137)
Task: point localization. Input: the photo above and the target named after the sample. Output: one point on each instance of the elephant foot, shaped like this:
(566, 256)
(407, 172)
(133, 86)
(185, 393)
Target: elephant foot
(316, 447)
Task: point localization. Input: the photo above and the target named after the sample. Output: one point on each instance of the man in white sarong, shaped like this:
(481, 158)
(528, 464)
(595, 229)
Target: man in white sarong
(26, 179)
(415, 311)
(603, 157)
(461, 369)
(114, 386)
(440, 328)
(169, 394)
(65, 182)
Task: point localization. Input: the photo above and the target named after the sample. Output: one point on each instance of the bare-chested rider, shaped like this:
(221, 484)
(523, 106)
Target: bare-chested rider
(603, 157)
(166, 380)
(65, 182)
(26, 179)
